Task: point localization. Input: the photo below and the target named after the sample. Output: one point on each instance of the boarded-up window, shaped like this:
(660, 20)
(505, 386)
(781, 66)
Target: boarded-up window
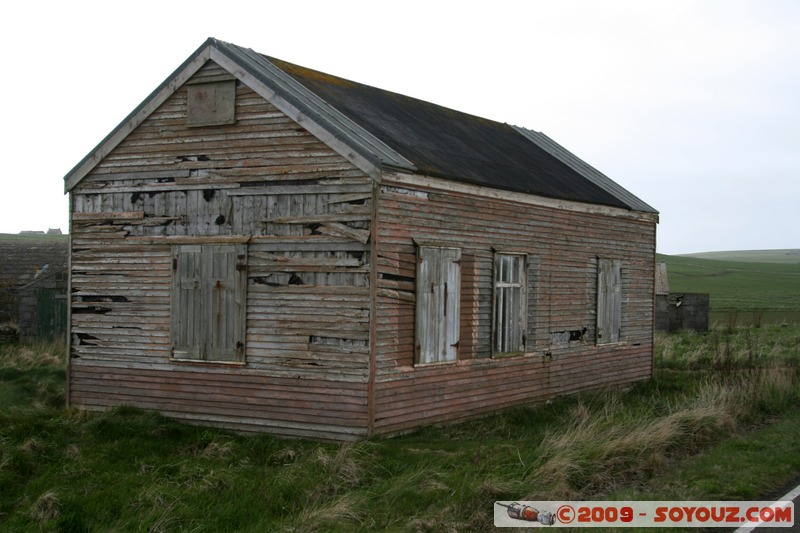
(438, 296)
(609, 300)
(208, 302)
(510, 304)
(211, 104)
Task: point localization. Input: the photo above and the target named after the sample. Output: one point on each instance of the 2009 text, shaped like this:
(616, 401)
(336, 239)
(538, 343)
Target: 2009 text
(605, 514)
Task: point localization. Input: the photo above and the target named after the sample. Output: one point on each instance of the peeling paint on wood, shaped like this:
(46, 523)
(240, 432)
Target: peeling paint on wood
(367, 308)
(149, 200)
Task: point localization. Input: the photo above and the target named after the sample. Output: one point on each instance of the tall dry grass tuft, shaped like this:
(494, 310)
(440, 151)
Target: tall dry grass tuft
(768, 390)
(32, 446)
(213, 446)
(442, 521)
(343, 468)
(331, 499)
(606, 443)
(338, 472)
(610, 445)
(47, 507)
(25, 357)
(342, 509)
(5, 453)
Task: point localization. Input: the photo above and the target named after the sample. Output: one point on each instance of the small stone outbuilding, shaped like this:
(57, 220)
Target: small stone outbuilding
(33, 285)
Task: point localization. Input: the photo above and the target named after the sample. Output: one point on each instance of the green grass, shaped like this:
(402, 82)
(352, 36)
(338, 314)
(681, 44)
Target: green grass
(32, 374)
(762, 455)
(737, 286)
(720, 420)
(33, 238)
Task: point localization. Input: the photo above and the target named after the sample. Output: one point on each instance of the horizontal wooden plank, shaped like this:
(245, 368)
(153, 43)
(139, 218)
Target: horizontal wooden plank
(193, 239)
(290, 261)
(154, 187)
(354, 197)
(348, 216)
(398, 295)
(343, 230)
(289, 242)
(108, 215)
(344, 190)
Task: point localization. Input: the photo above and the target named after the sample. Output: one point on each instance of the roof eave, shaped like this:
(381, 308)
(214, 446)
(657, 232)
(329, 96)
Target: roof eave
(139, 114)
(344, 136)
(586, 170)
(302, 105)
(527, 198)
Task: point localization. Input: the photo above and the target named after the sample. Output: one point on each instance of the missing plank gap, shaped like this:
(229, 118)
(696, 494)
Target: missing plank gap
(395, 277)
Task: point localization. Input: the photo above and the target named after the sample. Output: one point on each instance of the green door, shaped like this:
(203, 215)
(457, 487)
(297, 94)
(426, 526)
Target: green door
(52, 315)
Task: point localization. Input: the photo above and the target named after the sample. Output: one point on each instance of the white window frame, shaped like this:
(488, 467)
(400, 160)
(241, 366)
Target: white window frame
(509, 304)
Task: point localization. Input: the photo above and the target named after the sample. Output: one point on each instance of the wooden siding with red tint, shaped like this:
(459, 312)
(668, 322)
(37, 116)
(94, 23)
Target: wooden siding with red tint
(304, 214)
(562, 247)
(238, 399)
(331, 261)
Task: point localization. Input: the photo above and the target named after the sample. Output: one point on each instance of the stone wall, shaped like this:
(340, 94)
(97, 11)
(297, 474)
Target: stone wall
(682, 311)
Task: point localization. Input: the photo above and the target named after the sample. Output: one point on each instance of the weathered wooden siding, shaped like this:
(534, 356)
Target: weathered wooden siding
(317, 267)
(233, 398)
(304, 213)
(562, 249)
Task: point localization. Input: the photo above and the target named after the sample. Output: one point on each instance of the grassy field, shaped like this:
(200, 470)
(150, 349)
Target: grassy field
(693, 432)
(720, 420)
(8, 237)
(788, 256)
(741, 290)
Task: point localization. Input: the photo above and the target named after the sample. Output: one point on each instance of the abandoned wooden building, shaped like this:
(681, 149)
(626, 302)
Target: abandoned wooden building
(265, 247)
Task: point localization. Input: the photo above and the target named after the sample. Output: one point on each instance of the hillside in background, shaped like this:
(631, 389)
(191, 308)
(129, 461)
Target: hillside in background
(770, 288)
(790, 256)
(33, 238)
(753, 285)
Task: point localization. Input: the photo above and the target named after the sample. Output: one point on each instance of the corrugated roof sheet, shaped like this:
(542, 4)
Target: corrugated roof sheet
(389, 130)
(316, 108)
(450, 144)
(584, 169)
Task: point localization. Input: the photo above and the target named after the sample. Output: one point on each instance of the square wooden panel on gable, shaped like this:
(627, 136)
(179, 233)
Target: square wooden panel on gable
(211, 104)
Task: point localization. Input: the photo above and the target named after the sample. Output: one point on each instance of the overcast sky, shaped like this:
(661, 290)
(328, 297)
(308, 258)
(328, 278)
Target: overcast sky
(694, 106)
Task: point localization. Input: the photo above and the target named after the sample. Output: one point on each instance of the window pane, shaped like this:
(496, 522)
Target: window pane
(514, 331)
(516, 268)
(510, 305)
(499, 319)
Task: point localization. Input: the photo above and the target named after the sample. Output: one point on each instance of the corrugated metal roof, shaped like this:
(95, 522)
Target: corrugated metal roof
(389, 130)
(586, 170)
(450, 144)
(316, 108)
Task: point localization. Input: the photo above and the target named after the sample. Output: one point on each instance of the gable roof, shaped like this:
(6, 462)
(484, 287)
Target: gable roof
(379, 130)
